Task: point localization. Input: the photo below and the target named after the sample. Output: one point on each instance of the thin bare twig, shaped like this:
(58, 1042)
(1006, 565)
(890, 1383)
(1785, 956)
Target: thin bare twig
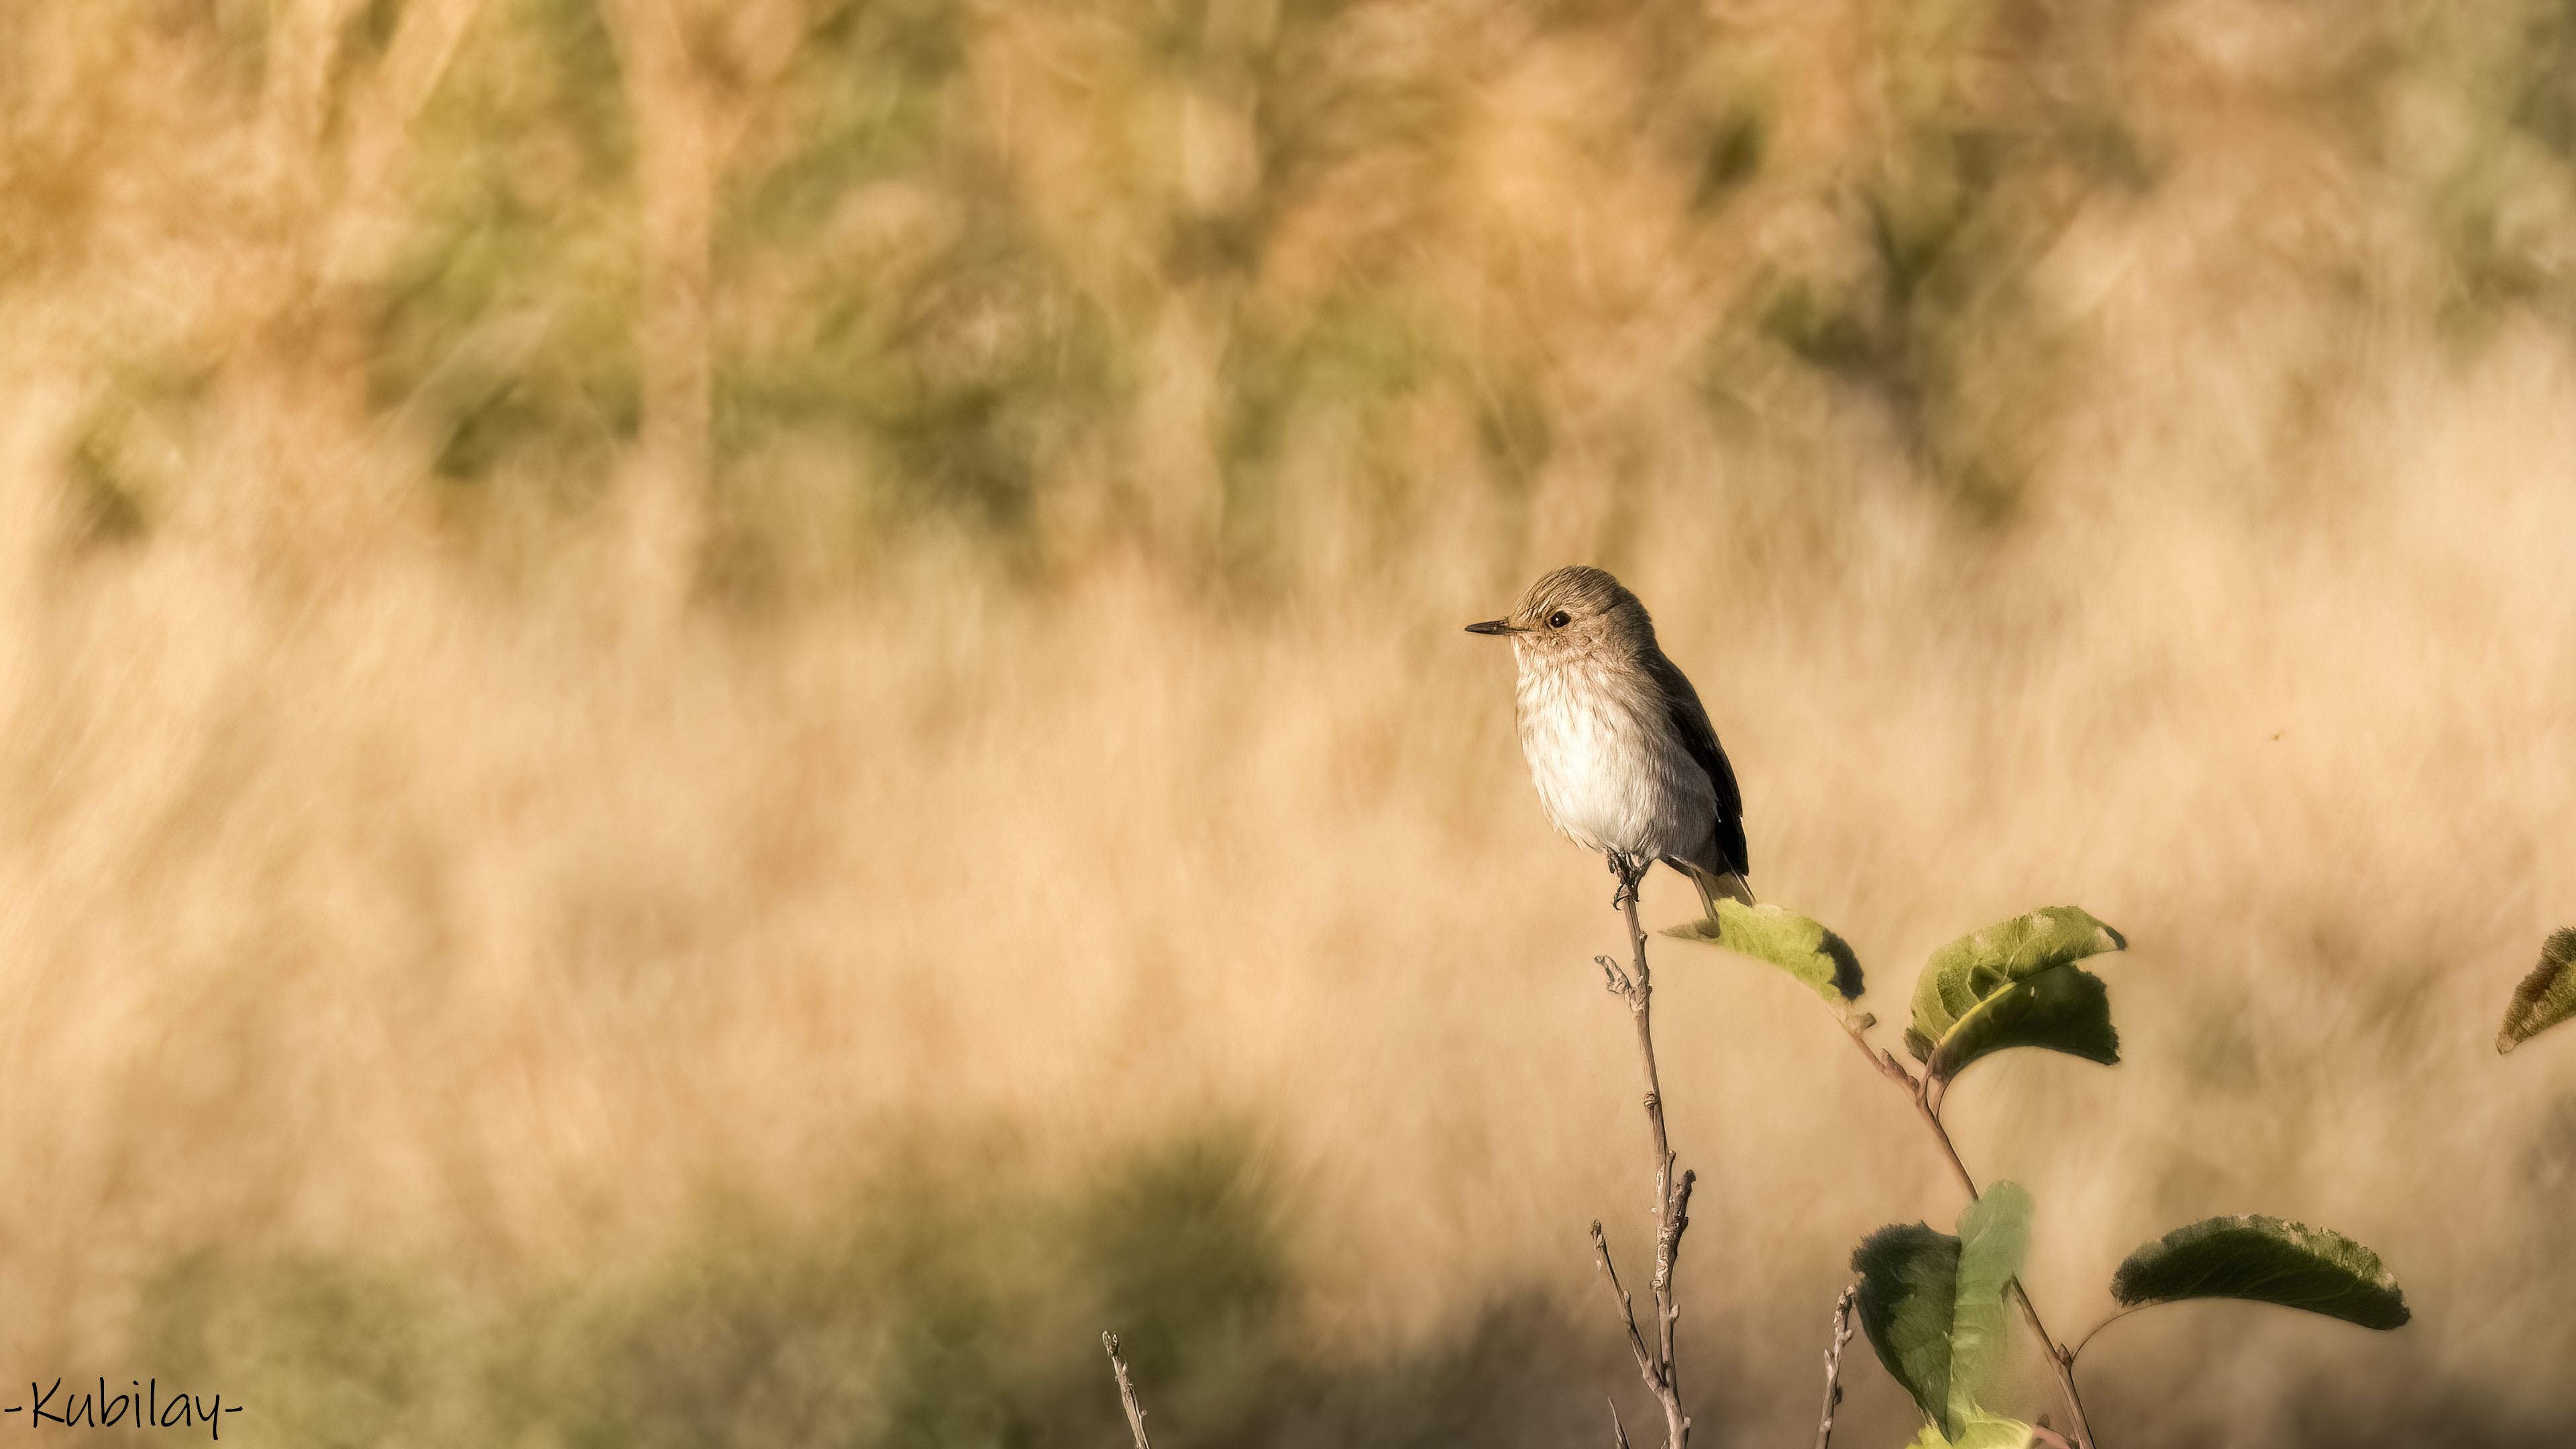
(1931, 1115)
(1882, 1062)
(1655, 1364)
(1843, 1331)
(2064, 1363)
(1646, 1365)
(1126, 1391)
(2116, 1315)
(1618, 1431)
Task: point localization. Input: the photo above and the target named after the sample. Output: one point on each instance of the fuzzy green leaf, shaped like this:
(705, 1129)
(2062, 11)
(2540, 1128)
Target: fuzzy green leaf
(1909, 1288)
(1994, 1232)
(2546, 997)
(2267, 1261)
(1964, 972)
(1795, 944)
(2066, 1009)
(2016, 984)
(1980, 1430)
(1932, 1304)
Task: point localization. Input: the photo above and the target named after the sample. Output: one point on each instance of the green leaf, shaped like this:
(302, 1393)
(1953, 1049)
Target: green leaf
(2016, 984)
(2066, 1009)
(2546, 997)
(1980, 1430)
(1909, 1289)
(1795, 944)
(1932, 1304)
(2267, 1261)
(1994, 1232)
(1964, 972)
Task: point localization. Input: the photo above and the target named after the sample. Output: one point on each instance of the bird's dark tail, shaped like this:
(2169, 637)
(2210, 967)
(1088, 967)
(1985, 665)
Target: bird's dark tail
(1713, 884)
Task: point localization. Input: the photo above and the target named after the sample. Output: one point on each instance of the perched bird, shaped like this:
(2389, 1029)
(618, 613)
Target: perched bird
(1622, 752)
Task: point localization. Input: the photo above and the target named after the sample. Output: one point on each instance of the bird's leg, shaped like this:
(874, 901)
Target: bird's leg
(1631, 870)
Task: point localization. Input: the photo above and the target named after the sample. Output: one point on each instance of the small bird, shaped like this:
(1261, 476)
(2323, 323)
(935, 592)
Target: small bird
(1618, 743)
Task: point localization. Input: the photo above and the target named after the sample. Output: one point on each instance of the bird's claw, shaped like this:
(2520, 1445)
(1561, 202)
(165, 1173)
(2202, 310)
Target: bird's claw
(1630, 870)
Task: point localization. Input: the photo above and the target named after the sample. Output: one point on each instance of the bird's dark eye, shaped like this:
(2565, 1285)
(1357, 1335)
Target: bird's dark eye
(1558, 620)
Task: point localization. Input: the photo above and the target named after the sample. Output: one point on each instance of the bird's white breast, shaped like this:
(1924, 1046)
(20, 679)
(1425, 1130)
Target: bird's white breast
(1592, 754)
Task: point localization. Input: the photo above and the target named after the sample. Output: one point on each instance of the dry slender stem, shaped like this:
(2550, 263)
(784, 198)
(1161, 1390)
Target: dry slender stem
(1618, 1431)
(2117, 1314)
(1655, 1361)
(1843, 1331)
(1126, 1391)
(1932, 1119)
(1882, 1062)
(1627, 1310)
(2064, 1363)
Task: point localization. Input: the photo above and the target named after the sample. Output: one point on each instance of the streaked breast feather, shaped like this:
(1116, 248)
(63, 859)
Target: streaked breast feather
(1590, 753)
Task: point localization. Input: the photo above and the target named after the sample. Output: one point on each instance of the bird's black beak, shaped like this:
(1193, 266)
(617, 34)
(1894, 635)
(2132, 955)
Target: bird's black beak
(1490, 626)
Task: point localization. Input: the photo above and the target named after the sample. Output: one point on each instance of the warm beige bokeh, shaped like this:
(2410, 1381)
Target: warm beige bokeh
(2126, 461)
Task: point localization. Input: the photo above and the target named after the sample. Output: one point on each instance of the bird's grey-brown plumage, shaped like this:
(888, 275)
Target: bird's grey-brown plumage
(1620, 747)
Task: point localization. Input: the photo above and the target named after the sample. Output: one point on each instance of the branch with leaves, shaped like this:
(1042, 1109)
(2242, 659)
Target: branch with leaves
(1932, 1303)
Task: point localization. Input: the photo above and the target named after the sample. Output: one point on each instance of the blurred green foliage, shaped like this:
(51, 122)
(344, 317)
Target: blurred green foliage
(330, 1351)
(1185, 272)
(943, 1309)
(503, 333)
(914, 338)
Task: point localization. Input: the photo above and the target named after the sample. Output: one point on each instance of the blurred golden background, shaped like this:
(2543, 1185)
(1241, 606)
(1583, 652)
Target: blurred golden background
(724, 719)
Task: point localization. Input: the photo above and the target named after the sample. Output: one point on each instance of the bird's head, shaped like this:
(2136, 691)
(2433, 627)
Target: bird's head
(1573, 613)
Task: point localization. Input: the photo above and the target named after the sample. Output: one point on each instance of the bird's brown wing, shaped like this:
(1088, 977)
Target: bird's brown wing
(1690, 721)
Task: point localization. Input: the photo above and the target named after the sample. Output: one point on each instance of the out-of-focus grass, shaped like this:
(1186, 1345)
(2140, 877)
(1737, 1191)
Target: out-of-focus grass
(925, 1309)
(460, 986)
